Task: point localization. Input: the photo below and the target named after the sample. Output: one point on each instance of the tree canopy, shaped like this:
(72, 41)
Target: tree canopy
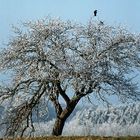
(47, 57)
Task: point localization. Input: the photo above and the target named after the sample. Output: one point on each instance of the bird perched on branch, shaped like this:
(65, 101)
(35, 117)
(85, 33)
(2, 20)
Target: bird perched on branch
(95, 12)
(101, 23)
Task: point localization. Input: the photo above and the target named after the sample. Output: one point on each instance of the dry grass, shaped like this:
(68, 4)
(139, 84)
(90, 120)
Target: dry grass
(78, 138)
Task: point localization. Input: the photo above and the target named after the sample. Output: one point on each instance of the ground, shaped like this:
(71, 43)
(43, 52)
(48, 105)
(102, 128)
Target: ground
(80, 138)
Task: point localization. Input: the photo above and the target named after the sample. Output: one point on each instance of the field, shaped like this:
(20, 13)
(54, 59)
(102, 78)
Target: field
(79, 138)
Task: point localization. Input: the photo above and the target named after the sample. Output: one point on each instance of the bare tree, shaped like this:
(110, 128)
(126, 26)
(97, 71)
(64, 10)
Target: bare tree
(48, 57)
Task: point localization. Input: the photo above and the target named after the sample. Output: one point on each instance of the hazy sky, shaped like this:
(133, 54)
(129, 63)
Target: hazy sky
(124, 12)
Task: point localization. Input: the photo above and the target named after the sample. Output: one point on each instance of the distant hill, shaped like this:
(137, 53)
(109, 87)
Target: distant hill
(117, 121)
(1, 112)
(123, 115)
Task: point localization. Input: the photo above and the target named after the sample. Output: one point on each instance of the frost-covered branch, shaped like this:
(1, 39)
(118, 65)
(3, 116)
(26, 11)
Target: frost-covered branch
(49, 57)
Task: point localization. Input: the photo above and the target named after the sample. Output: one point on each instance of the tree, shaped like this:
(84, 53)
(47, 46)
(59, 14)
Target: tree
(48, 57)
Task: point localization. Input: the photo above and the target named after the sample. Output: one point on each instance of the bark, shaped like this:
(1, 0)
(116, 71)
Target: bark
(58, 127)
(61, 119)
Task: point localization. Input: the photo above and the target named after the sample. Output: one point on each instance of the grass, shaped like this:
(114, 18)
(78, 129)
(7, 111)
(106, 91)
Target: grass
(79, 138)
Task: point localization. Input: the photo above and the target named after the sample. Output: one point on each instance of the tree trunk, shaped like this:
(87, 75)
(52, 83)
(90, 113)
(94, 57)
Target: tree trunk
(58, 127)
(61, 117)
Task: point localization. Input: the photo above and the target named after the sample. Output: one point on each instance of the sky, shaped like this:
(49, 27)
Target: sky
(112, 12)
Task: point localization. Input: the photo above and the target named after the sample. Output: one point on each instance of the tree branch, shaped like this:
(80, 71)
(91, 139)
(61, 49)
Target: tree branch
(57, 105)
(62, 93)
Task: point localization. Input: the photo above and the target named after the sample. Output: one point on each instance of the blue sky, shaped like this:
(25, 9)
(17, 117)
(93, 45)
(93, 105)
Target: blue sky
(118, 12)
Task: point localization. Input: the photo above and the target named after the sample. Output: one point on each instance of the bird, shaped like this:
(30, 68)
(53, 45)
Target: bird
(101, 23)
(95, 12)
